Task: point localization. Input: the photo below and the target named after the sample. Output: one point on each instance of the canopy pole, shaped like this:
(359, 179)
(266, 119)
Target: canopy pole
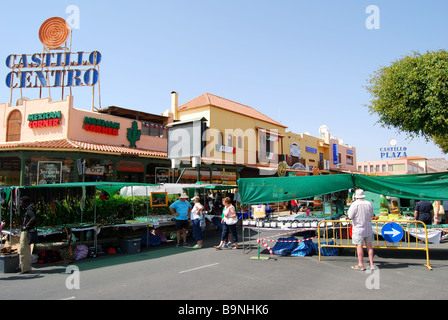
(132, 193)
(1, 236)
(147, 215)
(10, 214)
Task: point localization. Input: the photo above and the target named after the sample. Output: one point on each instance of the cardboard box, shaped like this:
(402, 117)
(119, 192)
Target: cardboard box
(130, 246)
(9, 263)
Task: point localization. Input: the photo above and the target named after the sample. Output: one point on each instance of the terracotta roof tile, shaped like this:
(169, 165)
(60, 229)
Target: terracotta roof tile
(208, 99)
(68, 144)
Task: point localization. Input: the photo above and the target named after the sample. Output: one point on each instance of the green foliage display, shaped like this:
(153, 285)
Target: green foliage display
(115, 209)
(411, 95)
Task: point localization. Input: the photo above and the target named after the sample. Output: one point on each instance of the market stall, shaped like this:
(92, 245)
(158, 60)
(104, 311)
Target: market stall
(256, 191)
(91, 207)
(211, 195)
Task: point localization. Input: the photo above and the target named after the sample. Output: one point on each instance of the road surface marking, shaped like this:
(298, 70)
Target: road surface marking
(209, 265)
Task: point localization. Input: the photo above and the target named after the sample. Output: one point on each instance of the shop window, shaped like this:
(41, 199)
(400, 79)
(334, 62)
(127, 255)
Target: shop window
(229, 141)
(348, 160)
(10, 171)
(14, 126)
(397, 167)
(99, 170)
(49, 170)
(153, 129)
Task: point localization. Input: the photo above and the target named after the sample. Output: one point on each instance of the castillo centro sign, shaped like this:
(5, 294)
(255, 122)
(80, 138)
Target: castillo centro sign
(45, 70)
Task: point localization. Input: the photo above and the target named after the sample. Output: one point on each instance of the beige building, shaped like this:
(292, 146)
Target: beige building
(240, 136)
(45, 141)
(237, 135)
(407, 165)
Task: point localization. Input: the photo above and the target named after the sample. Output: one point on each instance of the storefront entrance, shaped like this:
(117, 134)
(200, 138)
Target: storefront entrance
(130, 177)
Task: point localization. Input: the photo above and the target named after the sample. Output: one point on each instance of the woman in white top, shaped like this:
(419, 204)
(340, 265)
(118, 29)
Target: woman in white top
(196, 216)
(229, 221)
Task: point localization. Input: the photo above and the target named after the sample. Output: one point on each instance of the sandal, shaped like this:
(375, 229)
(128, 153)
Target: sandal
(218, 247)
(358, 267)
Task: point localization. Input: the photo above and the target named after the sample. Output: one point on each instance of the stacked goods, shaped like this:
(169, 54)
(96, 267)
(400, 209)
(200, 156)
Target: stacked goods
(8, 250)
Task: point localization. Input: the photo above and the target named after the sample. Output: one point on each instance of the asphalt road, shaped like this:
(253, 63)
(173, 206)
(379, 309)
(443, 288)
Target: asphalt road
(169, 273)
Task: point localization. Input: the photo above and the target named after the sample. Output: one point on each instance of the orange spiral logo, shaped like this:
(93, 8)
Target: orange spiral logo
(54, 32)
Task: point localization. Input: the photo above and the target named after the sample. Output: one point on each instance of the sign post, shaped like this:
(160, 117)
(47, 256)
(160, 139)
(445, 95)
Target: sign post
(259, 212)
(392, 232)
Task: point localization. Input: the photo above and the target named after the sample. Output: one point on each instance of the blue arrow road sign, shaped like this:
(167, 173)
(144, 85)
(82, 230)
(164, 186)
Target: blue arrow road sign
(392, 232)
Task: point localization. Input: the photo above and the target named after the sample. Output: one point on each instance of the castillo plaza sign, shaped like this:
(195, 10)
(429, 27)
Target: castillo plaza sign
(393, 152)
(51, 69)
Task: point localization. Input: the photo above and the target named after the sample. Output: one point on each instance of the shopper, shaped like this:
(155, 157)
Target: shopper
(294, 207)
(196, 217)
(384, 205)
(228, 224)
(181, 210)
(423, 211)
(439, 212)
(28, 227)
(361, 213)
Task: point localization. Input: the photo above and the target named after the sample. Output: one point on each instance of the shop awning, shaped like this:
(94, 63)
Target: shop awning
(268, 190)
(110, 187)
(418, 187)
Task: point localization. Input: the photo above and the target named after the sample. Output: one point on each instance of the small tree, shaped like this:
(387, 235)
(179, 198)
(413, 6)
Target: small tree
(411, 95)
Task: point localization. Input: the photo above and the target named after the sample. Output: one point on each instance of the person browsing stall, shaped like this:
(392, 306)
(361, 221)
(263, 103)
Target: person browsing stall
(423, 211)
(28, 226)
(181, 210)
(361, 213)
(196, 216)
(229, 222)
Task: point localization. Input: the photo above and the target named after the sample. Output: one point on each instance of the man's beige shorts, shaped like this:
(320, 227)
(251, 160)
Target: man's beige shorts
(359, 240)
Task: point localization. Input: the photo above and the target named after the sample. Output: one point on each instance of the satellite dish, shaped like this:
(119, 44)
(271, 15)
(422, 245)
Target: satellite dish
(19, 101)
(393, 142)
(298, 166)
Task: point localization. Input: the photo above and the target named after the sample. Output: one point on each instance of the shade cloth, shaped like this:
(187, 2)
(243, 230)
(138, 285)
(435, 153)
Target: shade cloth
(267, 190)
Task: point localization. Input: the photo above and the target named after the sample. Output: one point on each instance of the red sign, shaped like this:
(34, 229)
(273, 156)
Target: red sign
(129, 166)
(44, 123)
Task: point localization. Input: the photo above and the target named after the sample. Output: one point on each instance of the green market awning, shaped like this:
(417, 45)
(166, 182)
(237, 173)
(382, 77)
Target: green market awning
(110, 187)
(425, 187)
(267, 190)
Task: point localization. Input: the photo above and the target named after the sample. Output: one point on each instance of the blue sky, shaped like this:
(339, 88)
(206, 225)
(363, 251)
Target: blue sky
(303, 63)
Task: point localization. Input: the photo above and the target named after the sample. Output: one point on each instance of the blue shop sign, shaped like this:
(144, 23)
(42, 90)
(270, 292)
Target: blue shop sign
(311, 150)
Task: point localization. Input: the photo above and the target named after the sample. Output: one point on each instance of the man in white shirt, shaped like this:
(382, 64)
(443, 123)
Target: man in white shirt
(361, 213)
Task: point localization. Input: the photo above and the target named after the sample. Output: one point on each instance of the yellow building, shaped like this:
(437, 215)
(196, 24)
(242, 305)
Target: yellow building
(306, 153)
(237, 134)
(323, 154)
(242, 142)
